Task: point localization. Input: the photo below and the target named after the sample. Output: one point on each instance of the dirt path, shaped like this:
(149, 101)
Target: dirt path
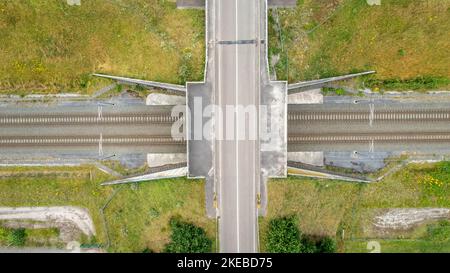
(60, 216)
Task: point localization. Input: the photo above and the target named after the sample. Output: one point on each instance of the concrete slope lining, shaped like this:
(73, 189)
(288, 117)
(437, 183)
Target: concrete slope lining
(169, 86)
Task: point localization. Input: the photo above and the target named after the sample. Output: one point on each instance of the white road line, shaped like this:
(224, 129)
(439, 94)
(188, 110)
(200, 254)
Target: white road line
(217, 122)
(256, 146)
(237, 124)
(220, 118)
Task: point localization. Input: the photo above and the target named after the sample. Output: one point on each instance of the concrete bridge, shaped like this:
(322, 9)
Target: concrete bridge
(235, 168)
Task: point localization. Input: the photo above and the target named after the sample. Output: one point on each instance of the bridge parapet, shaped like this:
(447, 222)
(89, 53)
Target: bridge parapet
(200, 4)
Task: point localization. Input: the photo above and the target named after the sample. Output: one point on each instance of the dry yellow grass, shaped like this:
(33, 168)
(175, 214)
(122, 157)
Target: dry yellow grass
(325, 207)
(57, 186)
(138, 215)
(51, 47)
(399, 39)
(139, 219)
(319, 204)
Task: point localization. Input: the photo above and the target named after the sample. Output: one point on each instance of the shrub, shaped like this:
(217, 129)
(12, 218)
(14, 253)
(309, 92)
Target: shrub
(3, 234)
(85, 81)
(147, 250)
(439, 232)
(308, 245)
(340, 91)
(337, 91)
(326, 245)
(119, 88)
(187, 238)
(17, 237)
(283, 236)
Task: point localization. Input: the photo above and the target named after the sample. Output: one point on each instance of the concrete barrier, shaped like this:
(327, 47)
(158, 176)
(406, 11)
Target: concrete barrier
(200, 4)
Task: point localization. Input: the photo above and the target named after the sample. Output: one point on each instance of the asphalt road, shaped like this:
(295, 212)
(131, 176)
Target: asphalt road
(237, 157)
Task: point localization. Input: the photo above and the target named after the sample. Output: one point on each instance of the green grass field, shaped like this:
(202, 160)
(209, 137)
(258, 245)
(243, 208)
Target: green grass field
(405, 41)
(51, 47)
(59, 186)
(327, 207)
(399, 246)
(137, 217)
(42, 237)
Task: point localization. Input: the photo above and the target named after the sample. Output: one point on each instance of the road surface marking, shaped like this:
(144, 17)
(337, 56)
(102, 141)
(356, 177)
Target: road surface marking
(237, 122)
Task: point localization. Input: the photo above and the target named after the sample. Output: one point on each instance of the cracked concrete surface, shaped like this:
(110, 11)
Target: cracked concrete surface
(405, 218)
(165, 99)
(307, 97)
(161, 159)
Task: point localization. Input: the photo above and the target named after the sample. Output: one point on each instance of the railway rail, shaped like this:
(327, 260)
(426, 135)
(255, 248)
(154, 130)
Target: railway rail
(91, 140)
(432, 115)
(86, 119)
(168, 140)
(397, 115)
(163, 118)
(378, 137)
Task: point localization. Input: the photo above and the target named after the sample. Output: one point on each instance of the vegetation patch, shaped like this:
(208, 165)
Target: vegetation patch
(55, 186)
(334, 91)
(136, 218)
(139, 216)
(284, 236)
(439, 232)
(148, 39)
(187, 238)
(13, 237)
(434, 238)
(404, 41)
(21, 237)
(419, 83)
(345, 211)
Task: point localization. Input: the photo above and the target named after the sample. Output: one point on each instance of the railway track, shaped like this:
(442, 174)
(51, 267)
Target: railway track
(87, 119)
(398, 115)
(168, 140)
(306, 116)
(380, 137)
(91, 140)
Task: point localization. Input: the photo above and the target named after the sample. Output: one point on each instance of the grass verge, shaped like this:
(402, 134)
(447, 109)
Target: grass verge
(24, 237)
(345, 210)
(404, 41)
(52, 47)
(137, 217)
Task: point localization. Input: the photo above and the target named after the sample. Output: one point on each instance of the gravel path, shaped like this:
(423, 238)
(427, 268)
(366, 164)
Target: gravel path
(61, 216)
